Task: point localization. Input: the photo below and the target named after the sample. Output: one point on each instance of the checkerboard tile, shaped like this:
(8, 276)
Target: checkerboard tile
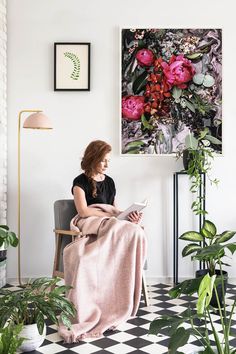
(132, 336)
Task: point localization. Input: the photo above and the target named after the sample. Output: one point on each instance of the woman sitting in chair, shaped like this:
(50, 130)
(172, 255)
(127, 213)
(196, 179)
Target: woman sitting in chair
(93, 186)
(105, 266)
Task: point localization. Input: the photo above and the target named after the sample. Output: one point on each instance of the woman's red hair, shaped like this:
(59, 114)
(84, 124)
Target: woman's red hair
(93, 155)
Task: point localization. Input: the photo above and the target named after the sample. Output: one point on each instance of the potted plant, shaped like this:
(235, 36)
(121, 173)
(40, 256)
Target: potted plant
(205, 286)
(41, 299)
(208, 246)
(10, 340)
(7, 238)
(197, 158)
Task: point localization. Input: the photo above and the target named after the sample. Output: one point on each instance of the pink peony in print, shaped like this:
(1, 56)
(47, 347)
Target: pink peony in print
(145, 57)
(132, 107)
(179, 71)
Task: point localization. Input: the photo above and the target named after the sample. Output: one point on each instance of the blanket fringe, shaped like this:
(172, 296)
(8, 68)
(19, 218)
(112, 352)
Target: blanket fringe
(72, 339)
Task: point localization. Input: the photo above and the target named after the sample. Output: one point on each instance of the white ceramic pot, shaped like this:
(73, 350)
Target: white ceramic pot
(34, 339)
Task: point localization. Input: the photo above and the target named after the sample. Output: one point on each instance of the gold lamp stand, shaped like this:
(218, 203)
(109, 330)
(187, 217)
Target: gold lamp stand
(36, 120)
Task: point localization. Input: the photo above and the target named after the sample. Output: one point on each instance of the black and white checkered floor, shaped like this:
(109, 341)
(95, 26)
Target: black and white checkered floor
(132, 336)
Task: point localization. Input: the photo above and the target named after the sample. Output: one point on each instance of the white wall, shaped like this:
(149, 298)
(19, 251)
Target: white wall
(50, 160)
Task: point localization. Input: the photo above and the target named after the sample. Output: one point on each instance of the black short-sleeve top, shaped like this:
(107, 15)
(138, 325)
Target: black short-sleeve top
(106, 189)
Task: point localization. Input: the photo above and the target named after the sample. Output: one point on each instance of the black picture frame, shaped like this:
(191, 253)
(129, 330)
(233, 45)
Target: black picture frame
(72, 66)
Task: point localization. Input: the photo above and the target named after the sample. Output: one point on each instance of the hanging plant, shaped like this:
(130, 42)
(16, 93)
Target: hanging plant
(197, 158)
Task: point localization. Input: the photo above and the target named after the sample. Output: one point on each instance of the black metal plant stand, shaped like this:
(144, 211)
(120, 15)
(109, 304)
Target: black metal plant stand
(202, 194)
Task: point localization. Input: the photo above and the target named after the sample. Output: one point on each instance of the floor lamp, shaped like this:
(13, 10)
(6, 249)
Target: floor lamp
(36, 120)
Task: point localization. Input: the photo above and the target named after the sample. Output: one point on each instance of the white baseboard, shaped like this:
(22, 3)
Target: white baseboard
(169, 280)
(150, 280)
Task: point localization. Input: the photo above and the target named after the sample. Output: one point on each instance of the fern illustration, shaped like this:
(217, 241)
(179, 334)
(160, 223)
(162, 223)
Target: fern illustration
(76, 63)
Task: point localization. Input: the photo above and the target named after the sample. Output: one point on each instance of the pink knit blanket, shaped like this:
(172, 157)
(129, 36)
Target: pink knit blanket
(105, 271)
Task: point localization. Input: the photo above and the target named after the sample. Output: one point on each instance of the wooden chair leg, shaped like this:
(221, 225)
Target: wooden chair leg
(56, 257)
(144, 290)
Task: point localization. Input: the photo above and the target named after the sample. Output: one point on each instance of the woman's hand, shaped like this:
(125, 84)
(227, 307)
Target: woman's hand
(135, 217)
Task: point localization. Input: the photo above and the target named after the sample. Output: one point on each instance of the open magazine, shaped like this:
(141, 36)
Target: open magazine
(134, 207)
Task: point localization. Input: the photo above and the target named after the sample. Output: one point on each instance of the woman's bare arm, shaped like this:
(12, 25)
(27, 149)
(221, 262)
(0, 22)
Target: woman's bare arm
(82, 207)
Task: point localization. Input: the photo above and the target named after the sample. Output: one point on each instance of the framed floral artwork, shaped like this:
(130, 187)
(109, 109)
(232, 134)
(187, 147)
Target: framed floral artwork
(171, 86)
(71, 66)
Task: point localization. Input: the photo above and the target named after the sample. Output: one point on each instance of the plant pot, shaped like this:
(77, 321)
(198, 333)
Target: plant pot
(3, 255)
(33, 338)
(186, 159)
(213, 302)
(3, 273)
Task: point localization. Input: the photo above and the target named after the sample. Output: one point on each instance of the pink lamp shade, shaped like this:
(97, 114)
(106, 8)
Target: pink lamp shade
(37, 121)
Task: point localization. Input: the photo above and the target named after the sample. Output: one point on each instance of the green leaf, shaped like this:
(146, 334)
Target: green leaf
(206, 234)
(9, 339)
(187, 287)
(198, 79)
(13, 240)
(191, 236)
(210, 227)
(7, 237)
(134, 147)
(136, 143)
(40, 322)
(191, 142)
(47, 311)
(208, 81)
(231, 247)
(158, 324)
(208, 252)
(145, 122)
(225, 236)
(179, 339)
(5, 227)
(190, 106)
(194, 56)
(171, 322)
(189, 249)
(203, 134)
(205, 293)
(3, 233)
(140, 83)
(65, 320)
(132, 151)
(176, 92)
(60, 290)
(213, 140)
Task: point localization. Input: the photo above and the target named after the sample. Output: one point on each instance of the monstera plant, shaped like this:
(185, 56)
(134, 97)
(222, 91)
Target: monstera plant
(205, 286)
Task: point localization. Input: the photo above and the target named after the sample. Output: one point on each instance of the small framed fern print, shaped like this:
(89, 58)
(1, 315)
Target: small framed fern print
(71, 66)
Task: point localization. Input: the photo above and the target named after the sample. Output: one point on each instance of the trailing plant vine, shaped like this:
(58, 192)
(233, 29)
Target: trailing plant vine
(200, 156)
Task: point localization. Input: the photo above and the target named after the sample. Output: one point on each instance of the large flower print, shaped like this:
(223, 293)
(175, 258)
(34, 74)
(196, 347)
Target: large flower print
(171, 85)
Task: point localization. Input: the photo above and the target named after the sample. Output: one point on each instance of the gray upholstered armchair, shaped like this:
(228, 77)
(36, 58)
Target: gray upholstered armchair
(64, 211)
